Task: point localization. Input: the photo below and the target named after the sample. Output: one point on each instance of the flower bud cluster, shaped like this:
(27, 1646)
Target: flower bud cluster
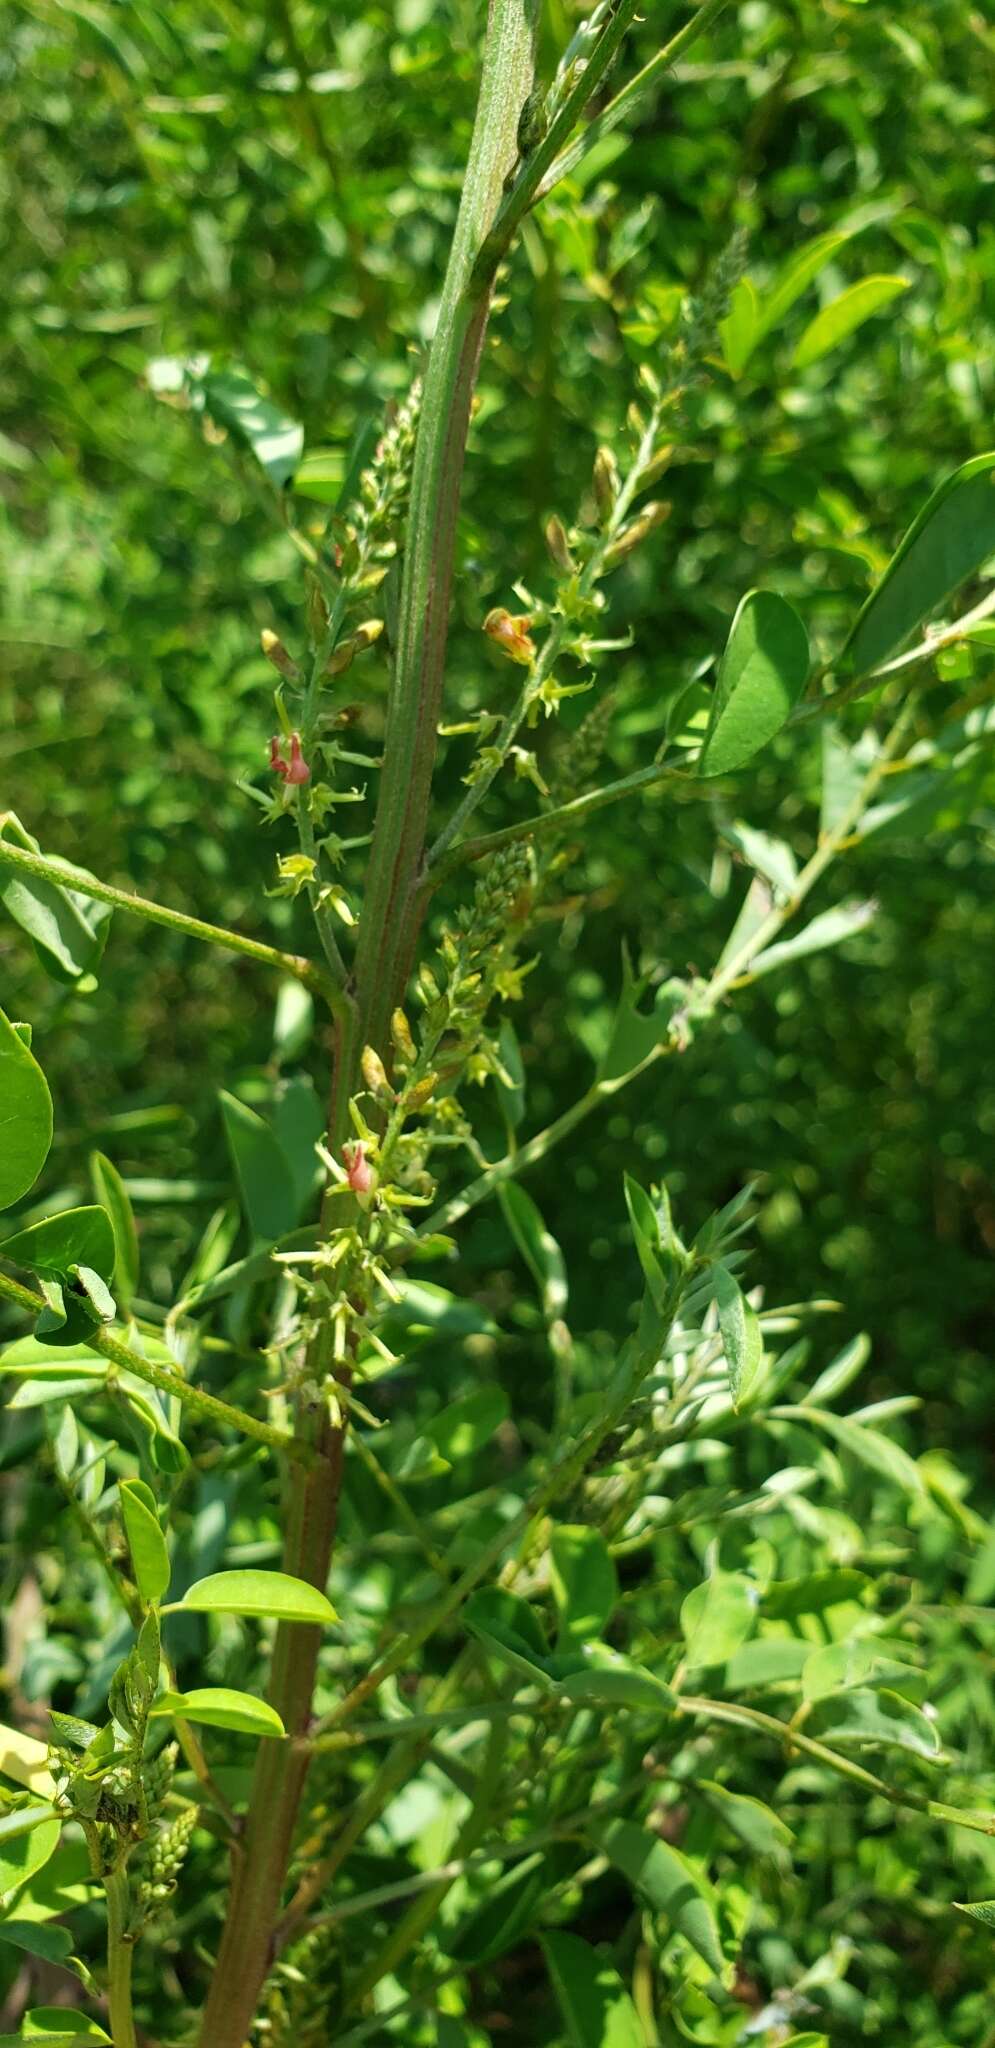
(163, 1860)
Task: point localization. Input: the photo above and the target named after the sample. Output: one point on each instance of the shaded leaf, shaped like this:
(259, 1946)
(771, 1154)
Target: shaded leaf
(666, 1881)
(276, 440)
(946, 543)
(538, 1247)
(262, 1169)
(113, 1196)
(146, 1542)
(762, 674)
(25, 1116)
(596, 2007)
(717, 1616)
(584, 1581)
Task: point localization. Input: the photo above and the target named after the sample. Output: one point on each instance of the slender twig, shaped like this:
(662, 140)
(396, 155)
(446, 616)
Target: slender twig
(65, 876)
(208, 1406)
(633, 98)
(564, 817)
(793, 1738)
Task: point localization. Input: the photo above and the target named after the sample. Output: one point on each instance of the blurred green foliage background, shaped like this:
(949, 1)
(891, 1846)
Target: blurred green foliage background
(275, 186)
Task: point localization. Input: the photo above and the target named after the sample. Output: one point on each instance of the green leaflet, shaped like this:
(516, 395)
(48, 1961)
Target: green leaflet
(264, 1174)
(112, 1195)
(596, 2007)
(275, 1595)
(276, 440)
(667, 1882)
(717, 1617)
(25, 1116)
(844, 315)
(762, 674)
(146, 1542)
(584, 1580)
(948, 540)
(220, 1706)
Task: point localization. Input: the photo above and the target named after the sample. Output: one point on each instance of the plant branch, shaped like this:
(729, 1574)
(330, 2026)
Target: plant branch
(65, 876)
(391, 909)
(208, 1406)
(793, 1738)
(633, 97)
(120, 1955)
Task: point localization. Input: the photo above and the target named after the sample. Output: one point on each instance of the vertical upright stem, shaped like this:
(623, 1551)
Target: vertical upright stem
(120, 1953)
(389, 924)
(387, 934)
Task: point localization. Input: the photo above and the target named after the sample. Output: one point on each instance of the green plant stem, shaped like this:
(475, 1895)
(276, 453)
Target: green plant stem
(67, 877)
(793, 1738)
(522, 196)
(564, 817)
(391, 907)
(120, 1954)
(633, 97)
(208, 1406)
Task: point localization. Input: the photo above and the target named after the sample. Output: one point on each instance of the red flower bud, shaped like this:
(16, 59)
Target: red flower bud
(359, 1172)
(276, 760)
(298, 770)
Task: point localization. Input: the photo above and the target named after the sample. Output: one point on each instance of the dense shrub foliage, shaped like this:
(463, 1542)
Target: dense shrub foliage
(509, 1554)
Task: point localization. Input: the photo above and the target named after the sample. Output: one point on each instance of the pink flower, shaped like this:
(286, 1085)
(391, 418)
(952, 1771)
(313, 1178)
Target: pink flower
(359, 1172)
(295, 770)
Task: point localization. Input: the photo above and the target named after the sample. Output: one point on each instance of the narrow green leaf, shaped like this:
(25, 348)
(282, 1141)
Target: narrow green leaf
(218, 1706)
(507, 1625)
(263, 1171)
(146, 1542)
(798, 273)
(717, 1617)
(25, 1116)
(538, 1247)
(666, 1880)
(830, 928)
(947, 542)
(646, 1238)
(756, 1824)
(596, 2007)
(319, 475)
(762, 674)
(111, 1193)
(742, 327)
(814, 1593)
(868, 1445)
(267, 1594)
(76, 1237)
(584, 1581)
(841, 1371)
(844, 315)
(742, 1337)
